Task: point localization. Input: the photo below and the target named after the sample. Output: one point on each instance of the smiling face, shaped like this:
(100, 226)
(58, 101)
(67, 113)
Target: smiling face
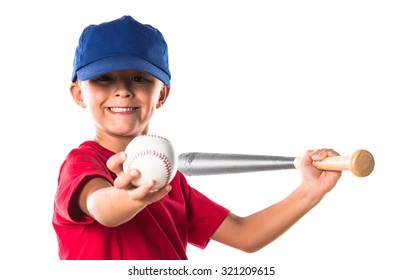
(121, 104)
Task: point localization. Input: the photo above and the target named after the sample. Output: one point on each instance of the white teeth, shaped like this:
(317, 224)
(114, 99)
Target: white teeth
(121, 109)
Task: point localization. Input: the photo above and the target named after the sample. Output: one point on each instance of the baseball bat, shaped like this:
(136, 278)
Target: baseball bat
(360, 163)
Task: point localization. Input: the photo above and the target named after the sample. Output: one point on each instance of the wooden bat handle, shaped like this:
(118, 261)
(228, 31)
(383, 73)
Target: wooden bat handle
(360, 163)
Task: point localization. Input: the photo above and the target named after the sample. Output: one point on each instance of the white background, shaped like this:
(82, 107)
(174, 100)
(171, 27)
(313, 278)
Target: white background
(256, 77)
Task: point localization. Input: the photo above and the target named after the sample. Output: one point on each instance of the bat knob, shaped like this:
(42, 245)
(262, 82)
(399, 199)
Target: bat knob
(362, 163)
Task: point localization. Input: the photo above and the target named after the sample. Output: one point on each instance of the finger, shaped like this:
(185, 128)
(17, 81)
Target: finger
(123, 180)
(147, 192)
(159, 193)
(320, 154)
(307, 159)
(115, 162)
(140, 192)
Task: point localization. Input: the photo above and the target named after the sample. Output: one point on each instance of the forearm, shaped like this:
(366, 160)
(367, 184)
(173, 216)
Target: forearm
(112, 207)
(107, 204)
(268, 224)
(253, 232)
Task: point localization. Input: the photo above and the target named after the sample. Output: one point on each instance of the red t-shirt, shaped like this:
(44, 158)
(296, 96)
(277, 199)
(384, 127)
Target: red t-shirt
(161, 231)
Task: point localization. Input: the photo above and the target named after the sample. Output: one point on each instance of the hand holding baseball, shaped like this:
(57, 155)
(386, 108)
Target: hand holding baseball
(155, 159)
(144, 194)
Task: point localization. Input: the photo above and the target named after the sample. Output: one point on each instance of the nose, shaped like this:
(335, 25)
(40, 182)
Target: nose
(124, 94)
(123, 90)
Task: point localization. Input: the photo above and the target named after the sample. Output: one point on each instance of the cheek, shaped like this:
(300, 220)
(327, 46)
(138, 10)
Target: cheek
(88, 100)
(151, 98)
(93, 97)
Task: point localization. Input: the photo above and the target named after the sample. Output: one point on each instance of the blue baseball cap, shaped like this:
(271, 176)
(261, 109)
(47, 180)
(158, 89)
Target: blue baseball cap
(121, 44)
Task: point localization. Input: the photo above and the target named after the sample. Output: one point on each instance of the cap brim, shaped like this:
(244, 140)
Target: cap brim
(109, 64)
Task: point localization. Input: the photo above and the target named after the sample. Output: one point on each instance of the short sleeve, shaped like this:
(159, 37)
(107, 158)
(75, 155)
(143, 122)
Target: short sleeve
(204, 218)
(80, 166)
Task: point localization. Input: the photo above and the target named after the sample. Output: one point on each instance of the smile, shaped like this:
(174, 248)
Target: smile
(121, 109)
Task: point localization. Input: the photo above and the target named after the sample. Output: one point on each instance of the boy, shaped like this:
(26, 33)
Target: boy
(121, 75)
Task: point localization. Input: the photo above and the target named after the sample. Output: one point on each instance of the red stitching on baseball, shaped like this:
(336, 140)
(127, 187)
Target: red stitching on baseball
(161, 156)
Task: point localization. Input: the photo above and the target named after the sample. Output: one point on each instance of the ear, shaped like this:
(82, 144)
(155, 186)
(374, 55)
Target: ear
(163, 95)
(76, 93)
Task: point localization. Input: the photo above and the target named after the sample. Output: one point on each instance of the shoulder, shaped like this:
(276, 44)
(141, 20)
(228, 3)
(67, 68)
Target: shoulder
(90, 148)
(89, 158)
(180, 182)
(90, 152)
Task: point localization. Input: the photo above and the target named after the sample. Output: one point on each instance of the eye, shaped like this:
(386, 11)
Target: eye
(103, 78)
(138, 79)
(142, 78)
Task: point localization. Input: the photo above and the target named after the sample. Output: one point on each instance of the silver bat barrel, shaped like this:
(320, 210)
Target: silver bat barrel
(193, 164)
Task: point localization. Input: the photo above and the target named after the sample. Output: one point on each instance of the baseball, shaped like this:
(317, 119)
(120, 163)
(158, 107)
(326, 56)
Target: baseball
(154, 157)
